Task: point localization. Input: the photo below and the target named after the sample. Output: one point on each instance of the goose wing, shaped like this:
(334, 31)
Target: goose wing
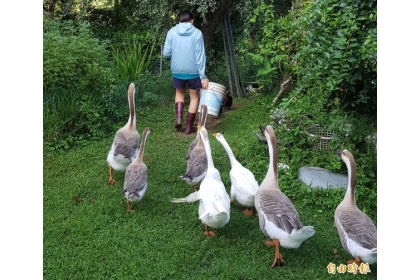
(279, 210)
(244, 181)
(358, 227)
(126, 146)
(135, 179)
(190, 148)
(214, 197)
(197, 164)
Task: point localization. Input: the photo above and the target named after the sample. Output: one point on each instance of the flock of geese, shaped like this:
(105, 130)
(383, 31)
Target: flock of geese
(278, 218)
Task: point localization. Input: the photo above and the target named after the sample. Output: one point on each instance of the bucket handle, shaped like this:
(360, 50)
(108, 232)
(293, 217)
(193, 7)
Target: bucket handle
(221, 101)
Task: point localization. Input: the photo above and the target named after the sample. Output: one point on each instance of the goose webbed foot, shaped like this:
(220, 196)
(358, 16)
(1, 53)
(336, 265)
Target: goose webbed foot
(208, 232)
(247, 212)
(356, 261)
(278, 259)
(111, 180)
(129, 210)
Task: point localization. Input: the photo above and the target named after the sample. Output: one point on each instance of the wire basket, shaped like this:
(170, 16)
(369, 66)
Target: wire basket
(323, 135)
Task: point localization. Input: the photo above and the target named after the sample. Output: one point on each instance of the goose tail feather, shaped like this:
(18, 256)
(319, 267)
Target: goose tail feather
(191, 198)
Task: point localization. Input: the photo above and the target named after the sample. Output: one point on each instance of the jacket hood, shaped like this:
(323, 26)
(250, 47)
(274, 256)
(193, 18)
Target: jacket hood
(184, 29)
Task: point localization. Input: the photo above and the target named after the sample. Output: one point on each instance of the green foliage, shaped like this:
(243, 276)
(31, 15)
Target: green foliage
(328, 49)
(155, 90)
(77, 75)
(72, 117)
(132, 56)
(335, 60)
(279, 43)
(73, 58)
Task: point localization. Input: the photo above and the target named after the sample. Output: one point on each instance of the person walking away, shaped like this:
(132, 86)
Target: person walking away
(184, 45)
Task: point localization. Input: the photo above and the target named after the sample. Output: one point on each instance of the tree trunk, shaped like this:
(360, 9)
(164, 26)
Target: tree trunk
(213, 20)
(49, 7)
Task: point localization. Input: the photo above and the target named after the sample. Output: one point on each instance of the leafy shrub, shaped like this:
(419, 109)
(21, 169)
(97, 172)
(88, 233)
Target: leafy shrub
(73, 58)
(338, 56)
(76, 76)
(156, 89)
(132, 56)
(328, 49)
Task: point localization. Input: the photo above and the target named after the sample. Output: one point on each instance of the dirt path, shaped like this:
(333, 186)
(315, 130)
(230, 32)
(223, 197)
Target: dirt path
(212, 121)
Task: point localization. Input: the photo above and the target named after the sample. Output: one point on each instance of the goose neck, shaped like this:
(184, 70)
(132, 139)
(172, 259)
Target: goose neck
(132, 108)
(351, 183)
(273, 153)
(142, 145)
(207, 148)
(228, 151)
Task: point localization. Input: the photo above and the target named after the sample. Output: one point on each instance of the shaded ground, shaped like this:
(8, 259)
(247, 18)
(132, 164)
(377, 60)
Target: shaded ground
(213, 121)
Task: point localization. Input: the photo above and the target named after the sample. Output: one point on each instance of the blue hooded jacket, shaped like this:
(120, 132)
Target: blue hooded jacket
(184, 44)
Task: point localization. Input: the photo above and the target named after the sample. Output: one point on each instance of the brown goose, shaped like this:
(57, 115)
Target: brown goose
(125, 146)
(196, 165)
(278, 217)
(196, 156)
(135, 181)
(357, 232)
(201, 122)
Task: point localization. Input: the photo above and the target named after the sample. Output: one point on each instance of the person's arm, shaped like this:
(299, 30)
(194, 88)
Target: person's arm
(200, 56)
(167, 49)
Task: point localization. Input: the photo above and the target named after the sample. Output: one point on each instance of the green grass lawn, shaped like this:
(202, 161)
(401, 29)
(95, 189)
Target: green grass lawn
(88, 233)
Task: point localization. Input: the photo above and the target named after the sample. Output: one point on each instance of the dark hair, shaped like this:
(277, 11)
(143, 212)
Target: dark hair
(185, 16)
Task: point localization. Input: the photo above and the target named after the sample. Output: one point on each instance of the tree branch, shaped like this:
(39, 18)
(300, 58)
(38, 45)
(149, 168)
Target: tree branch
(282, 87)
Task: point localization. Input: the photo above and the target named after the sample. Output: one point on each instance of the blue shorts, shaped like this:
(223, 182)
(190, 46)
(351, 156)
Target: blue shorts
(192, 83)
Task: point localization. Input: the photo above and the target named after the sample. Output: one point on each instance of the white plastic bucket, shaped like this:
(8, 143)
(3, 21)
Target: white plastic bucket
(213, 98)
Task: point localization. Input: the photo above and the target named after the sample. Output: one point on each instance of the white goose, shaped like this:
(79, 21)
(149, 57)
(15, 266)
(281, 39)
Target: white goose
(277, 215)
(135, 180)
(357, 232)
(125, 145)
(214, 207)
(244, 186)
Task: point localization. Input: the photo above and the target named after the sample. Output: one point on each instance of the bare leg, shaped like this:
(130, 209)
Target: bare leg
(278, 259)
(179, 95)
(111, 180)
(194, 98)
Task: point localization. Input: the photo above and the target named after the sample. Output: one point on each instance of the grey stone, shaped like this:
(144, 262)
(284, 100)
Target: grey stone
(319, 177)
